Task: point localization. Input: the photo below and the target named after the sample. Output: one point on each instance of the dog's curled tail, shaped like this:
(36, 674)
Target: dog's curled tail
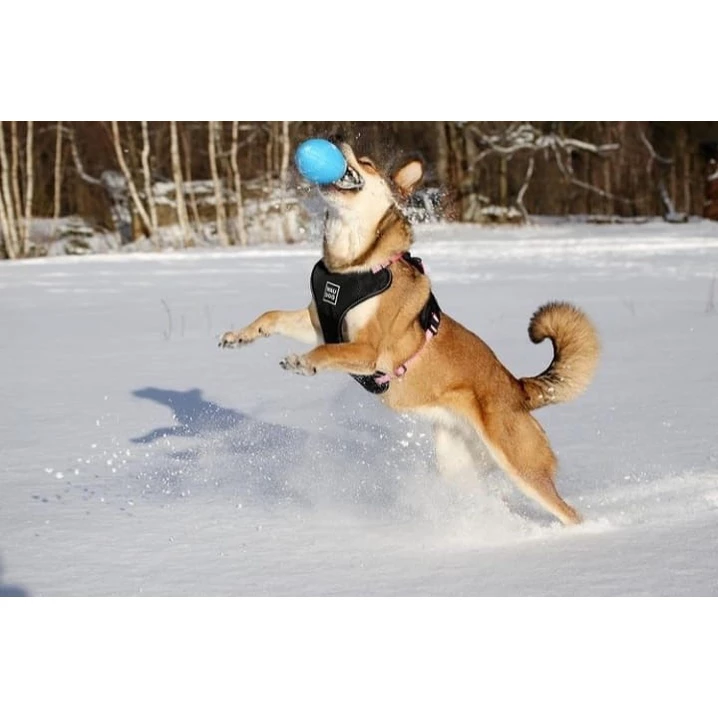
(576, 349)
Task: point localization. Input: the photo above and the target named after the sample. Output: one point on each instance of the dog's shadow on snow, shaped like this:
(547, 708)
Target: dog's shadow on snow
(10, 591)
(211, 447)
(193, 415)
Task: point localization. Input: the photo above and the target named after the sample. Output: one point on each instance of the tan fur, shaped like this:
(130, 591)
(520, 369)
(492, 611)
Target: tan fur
(457, 380)
(576, 350)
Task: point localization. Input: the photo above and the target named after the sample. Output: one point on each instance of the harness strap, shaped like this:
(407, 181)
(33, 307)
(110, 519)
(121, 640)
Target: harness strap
(431, 331)
(394, 258)
(335, 298)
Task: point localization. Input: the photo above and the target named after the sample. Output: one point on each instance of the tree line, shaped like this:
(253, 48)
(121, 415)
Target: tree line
(135, 177)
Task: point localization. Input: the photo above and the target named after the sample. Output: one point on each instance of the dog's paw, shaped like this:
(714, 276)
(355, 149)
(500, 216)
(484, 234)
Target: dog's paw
(229, 340)
(298, 364)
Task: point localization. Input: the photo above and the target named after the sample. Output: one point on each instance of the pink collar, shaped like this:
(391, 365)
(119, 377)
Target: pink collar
(394, 258)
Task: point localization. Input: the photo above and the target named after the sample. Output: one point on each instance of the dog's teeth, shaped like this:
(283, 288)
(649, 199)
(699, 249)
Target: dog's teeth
(351, 180)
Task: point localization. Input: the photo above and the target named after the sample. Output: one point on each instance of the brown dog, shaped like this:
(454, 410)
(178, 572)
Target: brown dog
(374, 317)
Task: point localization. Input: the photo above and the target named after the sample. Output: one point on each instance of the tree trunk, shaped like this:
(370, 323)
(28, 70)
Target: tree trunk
(520, 196)
(149, 192)
(29, 187)
(136, 201)
(187, 149)
(4, 228)
(9, 217)
(241, 228)
(15, 171)
(607, 186)
(179, 185)
(458, 173)
(212, 131)
(57, 185)
(276, 159)
(442, 153)
(6, 245)
(683, 150)
(283, 177)
(269, 151)
(504, 183)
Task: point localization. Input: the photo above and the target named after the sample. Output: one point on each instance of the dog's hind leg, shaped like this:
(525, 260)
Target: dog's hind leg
(454, 458)
(460, 455)
(519, 446)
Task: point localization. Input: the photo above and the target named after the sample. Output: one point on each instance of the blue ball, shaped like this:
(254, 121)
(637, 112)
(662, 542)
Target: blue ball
(320, 161)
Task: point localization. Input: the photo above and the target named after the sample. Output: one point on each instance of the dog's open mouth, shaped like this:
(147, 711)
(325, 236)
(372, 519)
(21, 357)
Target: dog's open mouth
(351, 180)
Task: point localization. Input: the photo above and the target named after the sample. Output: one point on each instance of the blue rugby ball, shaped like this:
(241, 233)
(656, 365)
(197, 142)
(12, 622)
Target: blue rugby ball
(320, 161)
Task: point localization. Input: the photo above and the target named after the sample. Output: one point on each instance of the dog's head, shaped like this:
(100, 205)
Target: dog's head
(365, 190)
(361, 198)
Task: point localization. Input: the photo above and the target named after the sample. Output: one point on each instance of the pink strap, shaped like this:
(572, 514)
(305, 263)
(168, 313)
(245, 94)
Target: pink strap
(401, 370)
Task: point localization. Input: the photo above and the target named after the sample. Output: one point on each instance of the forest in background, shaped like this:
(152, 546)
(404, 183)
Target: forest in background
(233, 182)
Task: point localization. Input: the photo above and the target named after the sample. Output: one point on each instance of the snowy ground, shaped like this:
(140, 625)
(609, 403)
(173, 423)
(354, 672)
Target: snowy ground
(140, 459)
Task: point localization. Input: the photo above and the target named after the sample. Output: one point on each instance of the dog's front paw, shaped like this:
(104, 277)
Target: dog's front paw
(228, 340)
(298, 364)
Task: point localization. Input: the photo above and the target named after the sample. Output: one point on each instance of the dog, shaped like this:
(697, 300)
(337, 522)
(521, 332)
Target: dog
(373, 315)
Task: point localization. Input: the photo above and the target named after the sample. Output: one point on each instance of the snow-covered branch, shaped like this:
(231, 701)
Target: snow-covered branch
(652, 152)
(517, 138)
(525, 137)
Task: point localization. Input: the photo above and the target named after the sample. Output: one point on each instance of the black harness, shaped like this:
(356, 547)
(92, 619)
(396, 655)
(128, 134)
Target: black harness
(336, 293)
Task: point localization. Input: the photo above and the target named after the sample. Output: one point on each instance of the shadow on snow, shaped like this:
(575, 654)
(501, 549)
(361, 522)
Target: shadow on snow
(8, 591)
(352, 460)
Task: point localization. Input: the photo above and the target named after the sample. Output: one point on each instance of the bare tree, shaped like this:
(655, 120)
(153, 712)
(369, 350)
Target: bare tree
(655, 158)
(269, 151)
(188, 178)
(283, 176)
(524, 187)
(486, 170)
(15, 171)
(179, 185)
(8, 215)
(124, 168)
(4, 228)
(442, 153)
(149, 192)
(29, 186)
(525, 138)
(114, 185)
(6, 245)
(57, 175)
(241, 228)
(212, 132)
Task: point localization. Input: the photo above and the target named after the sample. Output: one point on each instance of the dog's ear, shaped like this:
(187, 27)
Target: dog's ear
(408, 177)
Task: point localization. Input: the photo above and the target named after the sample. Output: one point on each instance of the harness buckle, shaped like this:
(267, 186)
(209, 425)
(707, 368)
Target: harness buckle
(434, 324)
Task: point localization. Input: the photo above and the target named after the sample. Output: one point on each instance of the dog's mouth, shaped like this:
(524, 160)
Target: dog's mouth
(351, 180)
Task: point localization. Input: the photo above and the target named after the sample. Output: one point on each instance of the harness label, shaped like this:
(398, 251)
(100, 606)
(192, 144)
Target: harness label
(331, 293)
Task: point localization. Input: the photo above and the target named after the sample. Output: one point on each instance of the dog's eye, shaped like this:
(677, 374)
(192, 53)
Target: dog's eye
(366, 161)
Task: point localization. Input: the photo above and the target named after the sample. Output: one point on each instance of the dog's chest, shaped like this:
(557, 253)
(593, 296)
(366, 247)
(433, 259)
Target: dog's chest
(358, 317)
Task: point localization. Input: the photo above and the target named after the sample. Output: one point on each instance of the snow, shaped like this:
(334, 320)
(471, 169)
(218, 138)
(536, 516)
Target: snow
(139, 459)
